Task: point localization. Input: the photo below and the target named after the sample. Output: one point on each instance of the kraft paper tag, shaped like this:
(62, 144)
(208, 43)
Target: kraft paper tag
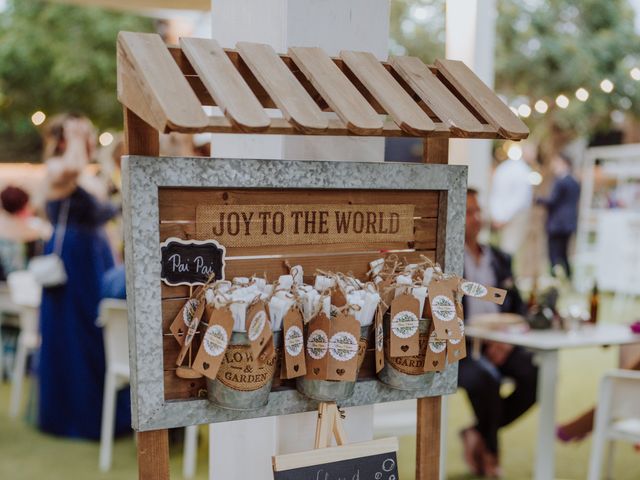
(191, 332)
(294, 362)
(405, 319)
(337, 298)
(343, 348)
(435, 359)
(317, 347)
(214, 343)
(386, 293)
(443, 308)
(259, 332)
(457, 348)
(186, 316)
(379, 339)
(479, 291)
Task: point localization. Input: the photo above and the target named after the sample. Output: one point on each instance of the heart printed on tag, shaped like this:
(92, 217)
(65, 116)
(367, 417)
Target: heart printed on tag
(435, 363)
(473, 289)
(340, 371)
(296, 367)
(404, 348)
(316, 371)
(293, 341)
(215, 340)
(205, 365)
(189, 311)
(317, 344)
(443, 308)
(404, 324)
(257, 325)
(343, 346)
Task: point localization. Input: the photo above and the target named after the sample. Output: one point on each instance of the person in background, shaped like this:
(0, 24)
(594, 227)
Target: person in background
(562, 212)
(510, 202)
(21, 232)
(482, 377)
(72, 362)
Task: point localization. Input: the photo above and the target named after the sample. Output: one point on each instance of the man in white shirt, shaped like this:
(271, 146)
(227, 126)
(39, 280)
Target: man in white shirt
(510, 203)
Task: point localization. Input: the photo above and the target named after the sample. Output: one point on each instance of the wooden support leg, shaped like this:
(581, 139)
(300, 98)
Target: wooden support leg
(153, 455)
(428, 439)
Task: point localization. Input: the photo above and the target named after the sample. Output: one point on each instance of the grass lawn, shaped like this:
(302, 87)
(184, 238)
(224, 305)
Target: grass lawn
(27, 454)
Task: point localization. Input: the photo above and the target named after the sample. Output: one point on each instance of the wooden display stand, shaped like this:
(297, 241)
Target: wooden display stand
(163, 89)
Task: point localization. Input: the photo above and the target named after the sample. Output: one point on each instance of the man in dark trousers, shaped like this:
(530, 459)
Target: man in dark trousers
(562, 210)
(482, 377)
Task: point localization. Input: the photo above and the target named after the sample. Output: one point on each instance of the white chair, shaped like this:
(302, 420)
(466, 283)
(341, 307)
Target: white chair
(113, 318)
(27, 294)
(617, 418)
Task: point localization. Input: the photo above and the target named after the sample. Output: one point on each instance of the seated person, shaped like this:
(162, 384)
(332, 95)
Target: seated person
(582, 425)
(482, 377)
(21, 232)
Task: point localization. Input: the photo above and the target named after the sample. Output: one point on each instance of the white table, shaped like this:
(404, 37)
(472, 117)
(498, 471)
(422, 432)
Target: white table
(545, 344)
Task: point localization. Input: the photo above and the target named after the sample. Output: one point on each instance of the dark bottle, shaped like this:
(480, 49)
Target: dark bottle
(593, 303)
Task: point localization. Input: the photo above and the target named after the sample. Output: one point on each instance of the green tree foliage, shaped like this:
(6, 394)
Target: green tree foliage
(545, 48)
(57, 58)
(417, 28)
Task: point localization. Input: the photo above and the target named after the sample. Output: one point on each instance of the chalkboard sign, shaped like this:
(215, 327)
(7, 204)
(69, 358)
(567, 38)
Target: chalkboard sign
(191, 262)
(374, 460)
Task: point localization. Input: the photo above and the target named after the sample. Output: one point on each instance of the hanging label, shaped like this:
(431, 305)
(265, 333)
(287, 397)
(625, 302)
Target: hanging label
(191, 331)
(435, 359)
(294, 361)
(405, 319)
(443, 308)
(214, 343)
(317, 347)
(479, 291)
(379, 339)
(457, 349)
(259, 332)
(343, 348)
(186, 316)
(386, 293)
(363, 343)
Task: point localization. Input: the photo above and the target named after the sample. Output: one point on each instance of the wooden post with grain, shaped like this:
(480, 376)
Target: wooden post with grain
(163, 89)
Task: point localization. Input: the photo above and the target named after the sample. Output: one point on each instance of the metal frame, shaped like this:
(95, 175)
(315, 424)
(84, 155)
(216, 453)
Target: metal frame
(143, 176)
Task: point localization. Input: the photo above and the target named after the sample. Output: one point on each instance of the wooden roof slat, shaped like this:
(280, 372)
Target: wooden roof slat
(393, 98)
(483, 99)
(283, 87)
(152, 86)
(225, 84)
(436, 96)
(336, 89)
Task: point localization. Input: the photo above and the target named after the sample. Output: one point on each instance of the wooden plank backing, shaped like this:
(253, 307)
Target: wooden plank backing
(283, 87)
(436, 96)
(152, 86)
(225, 84)
(483, 99)
(339, 93)
(395, 100)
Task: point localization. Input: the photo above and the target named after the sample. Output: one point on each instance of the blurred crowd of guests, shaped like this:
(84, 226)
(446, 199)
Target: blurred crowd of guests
(79, 220)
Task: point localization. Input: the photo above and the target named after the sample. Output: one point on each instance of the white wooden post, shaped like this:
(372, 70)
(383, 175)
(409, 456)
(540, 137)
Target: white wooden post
(242, 449)
(470, 37)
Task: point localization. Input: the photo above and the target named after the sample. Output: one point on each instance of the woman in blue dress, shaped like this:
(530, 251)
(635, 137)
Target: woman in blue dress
(72, 361)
